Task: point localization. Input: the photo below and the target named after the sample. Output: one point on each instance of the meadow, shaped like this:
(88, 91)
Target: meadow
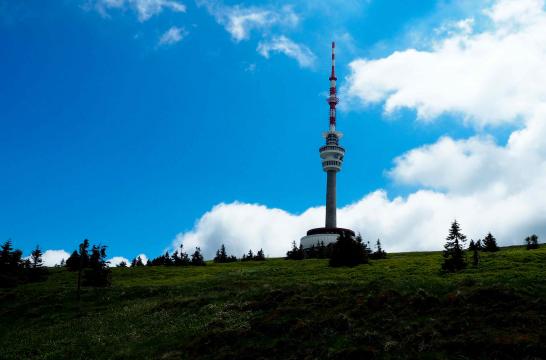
(400, 307)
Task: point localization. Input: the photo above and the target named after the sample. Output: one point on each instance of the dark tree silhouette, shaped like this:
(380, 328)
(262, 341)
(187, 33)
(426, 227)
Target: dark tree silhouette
(532, 242)
(73, 261)
(296, 253)
(11, 265)
(454, 257)
(197, 258)
(122, 264)
(259, 255)
(98, 273)
(348, 251)
(379, 253)
(222, 256)
(490, 243)
(36, 258)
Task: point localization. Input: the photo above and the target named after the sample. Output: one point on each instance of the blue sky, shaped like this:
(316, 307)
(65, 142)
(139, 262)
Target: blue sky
(114, 129)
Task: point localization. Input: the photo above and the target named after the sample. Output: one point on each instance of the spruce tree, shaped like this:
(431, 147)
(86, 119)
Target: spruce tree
(379, 253)
(454, 257)
(348, 251)
(221, 255)
(490, 243)
(296, 253)
(122, 264)
(260, 256)
(197, 258)
(532, 242)
(36, 257)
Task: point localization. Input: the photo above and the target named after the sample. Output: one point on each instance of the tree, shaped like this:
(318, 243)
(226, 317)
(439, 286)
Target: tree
(122, 264)
(490, 243)
(6, 255)
(259, 255)
(97, 273)
(138, 261)
(379, 253)
(472, 245)
(197, 258)
(12, 266)
(454, 257)
(296, 253)
(532, 242)
(348, 251)
(73, 261)
(221, 255)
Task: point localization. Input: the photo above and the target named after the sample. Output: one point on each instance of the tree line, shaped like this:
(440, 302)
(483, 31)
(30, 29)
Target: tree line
(14, 269)
(454, 254)
(348, 250)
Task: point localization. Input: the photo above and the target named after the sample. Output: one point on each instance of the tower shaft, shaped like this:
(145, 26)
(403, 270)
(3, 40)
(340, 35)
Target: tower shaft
(331, 199)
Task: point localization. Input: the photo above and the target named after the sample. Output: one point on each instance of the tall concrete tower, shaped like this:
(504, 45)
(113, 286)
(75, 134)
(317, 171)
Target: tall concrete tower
(332, 158)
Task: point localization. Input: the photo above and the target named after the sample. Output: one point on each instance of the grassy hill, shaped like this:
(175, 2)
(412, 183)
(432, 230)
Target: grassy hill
(401, 307)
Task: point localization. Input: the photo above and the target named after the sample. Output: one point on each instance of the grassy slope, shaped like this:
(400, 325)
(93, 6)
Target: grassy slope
(394, 308)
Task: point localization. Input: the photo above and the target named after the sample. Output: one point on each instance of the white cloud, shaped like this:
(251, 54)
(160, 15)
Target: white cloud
(240, 21)
(284, 45)
(489, 77)
(172, 36)
(144, 8)
(116, 260)
(484, 78)
(54, 257)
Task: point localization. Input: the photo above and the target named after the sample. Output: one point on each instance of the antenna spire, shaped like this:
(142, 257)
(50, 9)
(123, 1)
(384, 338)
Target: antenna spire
(333, 99)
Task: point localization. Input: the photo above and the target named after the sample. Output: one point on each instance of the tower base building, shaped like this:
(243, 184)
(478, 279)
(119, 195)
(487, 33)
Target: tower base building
(331, 155)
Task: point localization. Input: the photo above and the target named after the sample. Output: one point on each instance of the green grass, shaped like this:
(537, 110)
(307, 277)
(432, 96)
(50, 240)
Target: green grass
(401, 307)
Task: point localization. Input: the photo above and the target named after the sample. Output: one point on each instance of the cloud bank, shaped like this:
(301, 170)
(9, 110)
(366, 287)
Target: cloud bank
(484, 79)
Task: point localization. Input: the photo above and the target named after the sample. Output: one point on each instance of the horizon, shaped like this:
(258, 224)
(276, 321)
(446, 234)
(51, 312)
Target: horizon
(143, 125)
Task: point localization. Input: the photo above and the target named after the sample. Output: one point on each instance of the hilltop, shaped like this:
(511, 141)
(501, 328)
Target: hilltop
(401, 307)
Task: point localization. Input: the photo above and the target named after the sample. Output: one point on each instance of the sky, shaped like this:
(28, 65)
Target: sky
(149, 124)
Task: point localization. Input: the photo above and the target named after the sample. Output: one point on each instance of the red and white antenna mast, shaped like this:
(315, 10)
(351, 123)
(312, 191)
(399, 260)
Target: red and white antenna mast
(333, 99)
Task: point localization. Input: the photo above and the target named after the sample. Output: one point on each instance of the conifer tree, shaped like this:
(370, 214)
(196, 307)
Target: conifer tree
(36, 258)
(122, 264)
(260, 256)
(532, 242)
(221, 255)
(296, 253)
(379, 253)
(454, 257)
(348, 251)
(490, 243)
(197, 258)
